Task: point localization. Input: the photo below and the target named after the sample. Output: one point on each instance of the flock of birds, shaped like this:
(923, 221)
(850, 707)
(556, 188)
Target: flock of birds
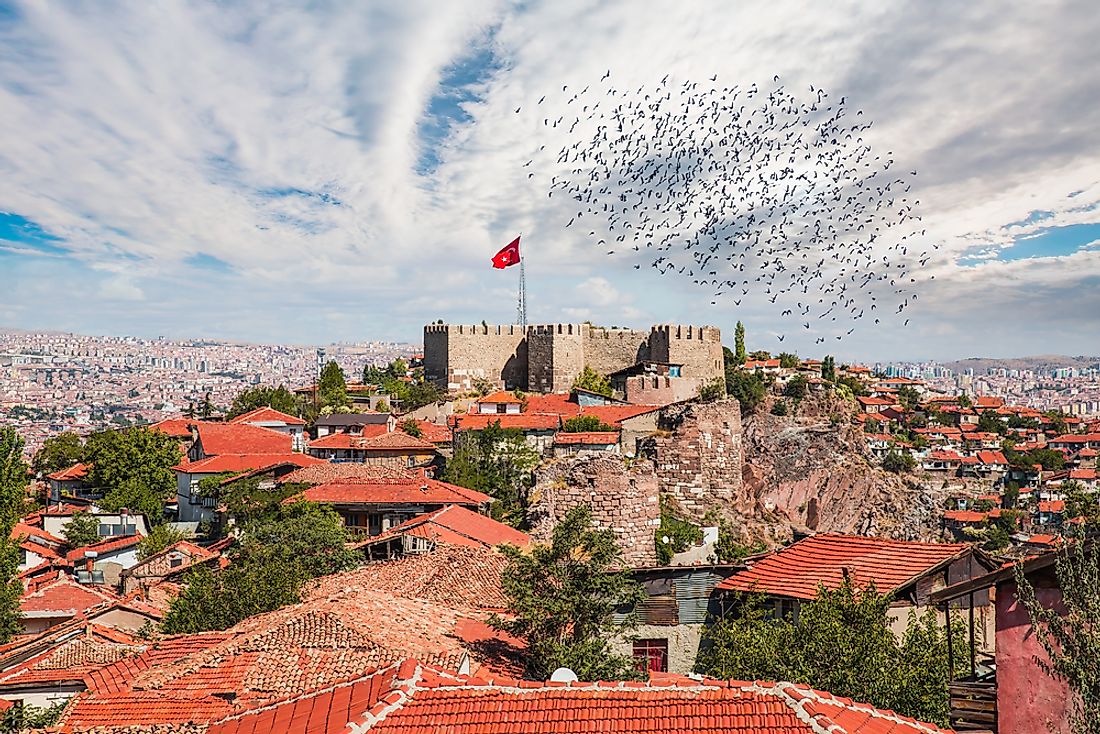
(748, 192)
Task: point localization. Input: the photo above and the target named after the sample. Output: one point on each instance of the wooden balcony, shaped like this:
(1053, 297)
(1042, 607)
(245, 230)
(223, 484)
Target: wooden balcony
(973, 706)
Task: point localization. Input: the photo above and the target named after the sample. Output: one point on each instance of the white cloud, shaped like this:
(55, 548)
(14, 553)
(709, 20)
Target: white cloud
(285, 143)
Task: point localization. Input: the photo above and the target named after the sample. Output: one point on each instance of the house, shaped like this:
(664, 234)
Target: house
(388, 449)
(36, 546)
(104, 562)
(197, 505)
(1074, 442)
(371, 505)
(763, 366)
(111, 524)
(678, 603)
(538, 429)
(59, 601)
(355, 423)
(49, 668)
(654, 383)
(1024, 699)
(1050, 514)
(276, 421)
(174, 559)
(69, 482)
(411, 696)
(872, 405)
(500, 402)
(588, 442)
(220, 439)
(908, 570)
(451, 525)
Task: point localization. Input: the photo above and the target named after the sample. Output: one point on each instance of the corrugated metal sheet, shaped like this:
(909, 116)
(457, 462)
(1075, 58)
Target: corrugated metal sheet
(693, 596)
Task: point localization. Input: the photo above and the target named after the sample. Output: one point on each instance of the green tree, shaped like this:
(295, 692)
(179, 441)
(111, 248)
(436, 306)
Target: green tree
(57, 453)
(159, 538)
(796, 387)
(1081, 503)
(28, 717)
(499, 462)
(81, 530)
(789, 361)
(382, 406)
(739, 353)
(898, 462)
(908, 398)
(854, 384)
(261, 396)
(270, 563)
(1057, 421)
(412, 428)
(780, 408)
(332, 387)
(828, 368)
(990, 423)
(373, 374)
(13, 503)
(591, 380)
(964, 401)
(747, 387)
(674, 535)
(842, 643)
(13, 479)
(562, 599)
(135, 496)
(1071, 637)
(760, 355)
(133, 455)
(397, 369)
(585, 424)
(712, 391)
(206, 408)
(420, 393)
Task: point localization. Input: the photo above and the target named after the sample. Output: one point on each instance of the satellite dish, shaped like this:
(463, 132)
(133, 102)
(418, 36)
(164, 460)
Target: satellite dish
(563, 675)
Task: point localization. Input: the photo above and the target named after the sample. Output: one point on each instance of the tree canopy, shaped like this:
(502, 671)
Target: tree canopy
(262, 396)
(57, 453)
(13, 501)
(499, 462)
(591, 380)
(739, 354)
(841, 643)
(332, 387)
(747, 387)
(562, 599)
(274, 556)
(81, 530)
(134, 466)
(585, 424)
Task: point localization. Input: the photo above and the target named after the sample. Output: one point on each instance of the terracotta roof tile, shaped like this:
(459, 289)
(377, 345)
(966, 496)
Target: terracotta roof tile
(796, 571)
(63, 597)
(76, 471)
(104, 546)
(521, 421)
(242, 438)
(456, 525)
(267, 415)
(414, 490)
(245, 462)
(590, 438)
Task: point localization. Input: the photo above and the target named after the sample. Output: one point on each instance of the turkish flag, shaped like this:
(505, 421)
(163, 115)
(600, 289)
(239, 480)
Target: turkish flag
(507, 256)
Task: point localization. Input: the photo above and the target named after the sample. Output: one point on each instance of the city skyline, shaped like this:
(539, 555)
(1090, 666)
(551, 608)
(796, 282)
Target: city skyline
(354, 174)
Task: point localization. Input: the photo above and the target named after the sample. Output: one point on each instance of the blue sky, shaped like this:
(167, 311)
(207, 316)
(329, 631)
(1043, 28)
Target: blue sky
(309, 172)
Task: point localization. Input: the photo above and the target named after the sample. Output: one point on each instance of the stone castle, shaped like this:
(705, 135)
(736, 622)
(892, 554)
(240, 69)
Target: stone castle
(548, 357)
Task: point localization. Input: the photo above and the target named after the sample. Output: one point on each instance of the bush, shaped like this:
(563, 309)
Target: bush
(780, 407)
(159, 538)
(81, 530)
(796, 387)
(747, 387)
(585, 424)
(898, 462)
(712, 391)
(674, 536)
(592, 381)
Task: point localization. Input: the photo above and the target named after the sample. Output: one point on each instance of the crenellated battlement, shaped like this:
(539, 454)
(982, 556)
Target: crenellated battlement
(548, 357)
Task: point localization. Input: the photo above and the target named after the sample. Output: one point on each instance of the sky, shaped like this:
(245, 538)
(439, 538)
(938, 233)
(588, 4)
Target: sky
(333, 171)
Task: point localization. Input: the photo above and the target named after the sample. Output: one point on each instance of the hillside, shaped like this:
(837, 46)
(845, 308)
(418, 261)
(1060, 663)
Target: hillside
(1039, 362)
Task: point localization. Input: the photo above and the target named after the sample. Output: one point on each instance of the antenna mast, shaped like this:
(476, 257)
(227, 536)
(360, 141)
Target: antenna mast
(521, 303)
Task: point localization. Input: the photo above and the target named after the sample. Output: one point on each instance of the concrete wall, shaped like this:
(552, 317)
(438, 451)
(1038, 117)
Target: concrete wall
(683, 644)
(1028, 700)
(623, 499)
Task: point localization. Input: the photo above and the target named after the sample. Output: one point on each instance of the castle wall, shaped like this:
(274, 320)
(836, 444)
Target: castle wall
(697, 348)
(555, 356)
(623, 499)
(610, 350)
(456, 355)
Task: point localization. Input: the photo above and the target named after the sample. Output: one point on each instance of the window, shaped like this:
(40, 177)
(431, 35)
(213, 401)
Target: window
(651, 656)
(176, 562)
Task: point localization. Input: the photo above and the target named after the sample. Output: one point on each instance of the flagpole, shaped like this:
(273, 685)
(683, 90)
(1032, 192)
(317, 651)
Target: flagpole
(521, 303)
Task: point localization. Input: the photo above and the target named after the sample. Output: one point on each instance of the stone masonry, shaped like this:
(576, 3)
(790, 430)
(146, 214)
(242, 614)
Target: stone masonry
(548, 357)
(624, 499)
(698, 456)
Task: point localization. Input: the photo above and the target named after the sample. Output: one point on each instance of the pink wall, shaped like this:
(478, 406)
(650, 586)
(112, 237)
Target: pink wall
(1028, 700)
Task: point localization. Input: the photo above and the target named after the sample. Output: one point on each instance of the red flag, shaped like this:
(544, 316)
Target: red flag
(509, 255)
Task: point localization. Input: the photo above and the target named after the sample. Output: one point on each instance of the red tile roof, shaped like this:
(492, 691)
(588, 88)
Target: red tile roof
(242, 438)
(399, 490)
(965, 516)
(455, 525)
(267, 415)
(63, 597)
(457, 577)
(418, 699)
(245, 462)
(1052, 506)
(176, 427)
(142, 708)
(522, 421)
(74, 472)
(89, 650)
(105, 546)
(117, 677)
(992, 457)
(591, 438)
(500, 396)
(326, 472)
(393, 441)
(796, 571)
(431, 432)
